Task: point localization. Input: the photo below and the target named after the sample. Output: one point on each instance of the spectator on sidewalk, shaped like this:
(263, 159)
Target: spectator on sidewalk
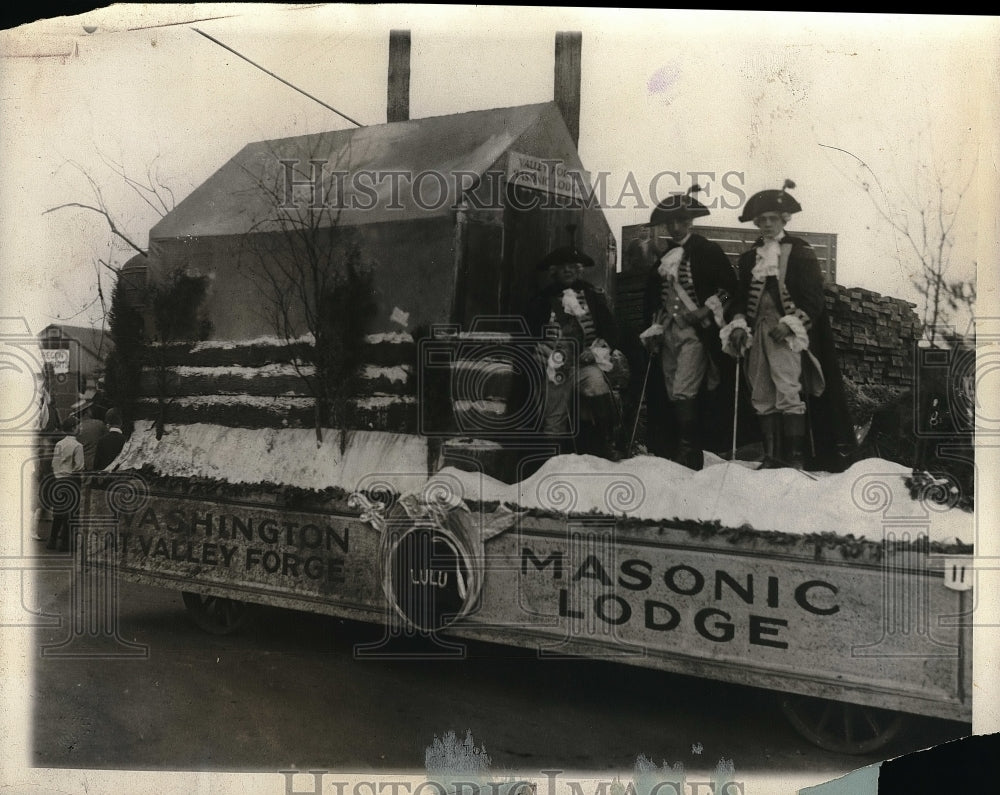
(67, 468)
(89, 434)
(111, 443)
(47, 434)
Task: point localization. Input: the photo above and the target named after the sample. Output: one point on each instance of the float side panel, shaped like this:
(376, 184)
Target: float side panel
(254, 551)
(876, 633)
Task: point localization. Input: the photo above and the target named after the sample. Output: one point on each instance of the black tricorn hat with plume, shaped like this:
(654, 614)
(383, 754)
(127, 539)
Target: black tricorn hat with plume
(569, 253)
(770, 201)
(678, 205)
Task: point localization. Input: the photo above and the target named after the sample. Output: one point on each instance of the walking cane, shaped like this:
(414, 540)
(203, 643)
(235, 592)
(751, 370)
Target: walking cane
(638, 408)
(809, 427)
(736, 404)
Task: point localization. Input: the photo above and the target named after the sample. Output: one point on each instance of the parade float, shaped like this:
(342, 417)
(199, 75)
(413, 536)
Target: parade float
(426, 509)
(842, 589)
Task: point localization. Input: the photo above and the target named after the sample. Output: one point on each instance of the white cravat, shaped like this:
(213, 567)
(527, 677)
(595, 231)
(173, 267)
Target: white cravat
(669, 263)
(571, 303)
(768, 255)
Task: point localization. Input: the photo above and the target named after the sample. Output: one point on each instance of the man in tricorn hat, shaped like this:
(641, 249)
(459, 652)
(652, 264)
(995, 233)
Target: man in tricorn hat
(685, 299)
(578, 356)
(780, 324)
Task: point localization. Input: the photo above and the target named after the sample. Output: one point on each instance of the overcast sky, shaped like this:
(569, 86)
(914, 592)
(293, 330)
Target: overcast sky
(763, 95)
(767, 96)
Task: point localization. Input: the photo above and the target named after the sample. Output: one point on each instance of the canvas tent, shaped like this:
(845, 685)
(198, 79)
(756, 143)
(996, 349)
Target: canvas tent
(458, 242)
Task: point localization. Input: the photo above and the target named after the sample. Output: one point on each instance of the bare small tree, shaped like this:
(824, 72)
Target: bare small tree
(923, 221)
(309, 272)
(169, 302)
(150, 190)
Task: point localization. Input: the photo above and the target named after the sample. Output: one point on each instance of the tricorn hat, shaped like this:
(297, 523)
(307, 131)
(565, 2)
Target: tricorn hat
(567, 253)
(770, 201)
(564, 254)
(678, 205)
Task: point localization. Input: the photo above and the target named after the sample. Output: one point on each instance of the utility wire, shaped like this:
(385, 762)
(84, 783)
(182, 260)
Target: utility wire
(276, 77)
(184, 22)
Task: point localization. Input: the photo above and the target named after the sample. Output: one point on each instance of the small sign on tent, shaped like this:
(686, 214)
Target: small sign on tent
(547, 175)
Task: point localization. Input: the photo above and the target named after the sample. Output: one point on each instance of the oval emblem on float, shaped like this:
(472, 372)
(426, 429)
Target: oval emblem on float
(429, 577)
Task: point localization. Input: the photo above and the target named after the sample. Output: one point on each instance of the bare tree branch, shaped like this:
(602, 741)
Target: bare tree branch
(153, 193)
(922, 225)
(156, 195)
(107, 216)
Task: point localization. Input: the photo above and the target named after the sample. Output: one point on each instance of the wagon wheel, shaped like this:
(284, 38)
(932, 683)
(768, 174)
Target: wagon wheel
(841, 727)
(218, 615)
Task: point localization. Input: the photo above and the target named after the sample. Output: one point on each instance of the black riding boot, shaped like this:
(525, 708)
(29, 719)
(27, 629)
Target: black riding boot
(770, 428)
(689, 452)
(605, 415)
(794, 428)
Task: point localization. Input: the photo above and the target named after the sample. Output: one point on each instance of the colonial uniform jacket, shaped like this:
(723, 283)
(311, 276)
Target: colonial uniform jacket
(803, 283)
(538, 314)
(802, 295)
(549, 302)
(707, 273)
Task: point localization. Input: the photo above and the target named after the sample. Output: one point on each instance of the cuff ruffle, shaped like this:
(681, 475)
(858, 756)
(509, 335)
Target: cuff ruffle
(726, 332)
(799, 339)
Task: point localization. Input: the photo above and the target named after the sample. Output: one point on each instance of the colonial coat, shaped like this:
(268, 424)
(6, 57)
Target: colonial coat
(546, 309)
(799, 289)
(704, 272)
(548, 303)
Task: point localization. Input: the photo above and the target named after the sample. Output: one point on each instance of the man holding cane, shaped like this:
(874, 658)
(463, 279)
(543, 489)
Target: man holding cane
(686, 297)
(780, 326)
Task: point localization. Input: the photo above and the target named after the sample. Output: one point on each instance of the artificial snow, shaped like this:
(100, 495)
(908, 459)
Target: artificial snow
(383, 401)
(484, 336)
(483, 367)
(868, 500)
(286, 402)
(396, 337)
(274, 402)
(308, 339)
(482, 406)
(235, 371)
(398, 374)
(269, 341)
(283, 456)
